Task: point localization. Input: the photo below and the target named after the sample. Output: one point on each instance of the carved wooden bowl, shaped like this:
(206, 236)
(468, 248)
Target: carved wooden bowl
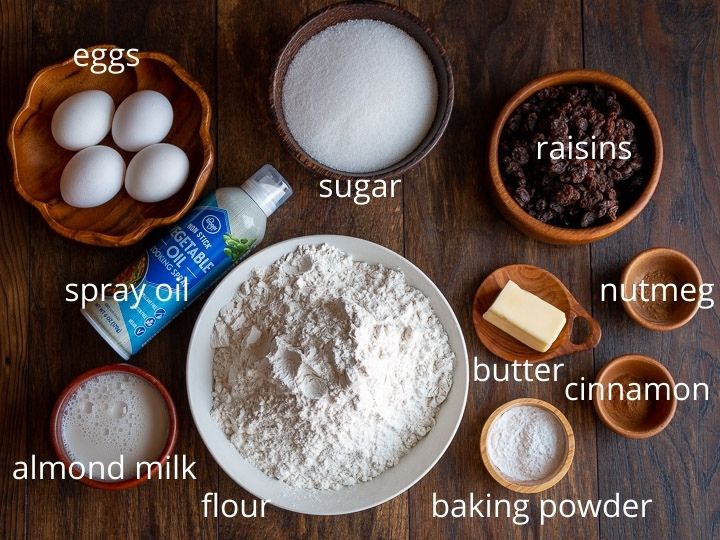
(38, 161)
(649, 138)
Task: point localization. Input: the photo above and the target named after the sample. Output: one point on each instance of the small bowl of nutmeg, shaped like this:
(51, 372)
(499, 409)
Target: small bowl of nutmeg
(661, 289)
(574, 157)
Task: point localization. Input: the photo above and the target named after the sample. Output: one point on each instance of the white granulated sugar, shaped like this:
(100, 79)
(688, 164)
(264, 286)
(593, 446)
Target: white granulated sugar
(328, 370)
(526, 443)
(360, 96)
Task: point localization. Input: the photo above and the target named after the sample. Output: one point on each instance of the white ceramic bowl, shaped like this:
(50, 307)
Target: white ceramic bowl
(411, 468)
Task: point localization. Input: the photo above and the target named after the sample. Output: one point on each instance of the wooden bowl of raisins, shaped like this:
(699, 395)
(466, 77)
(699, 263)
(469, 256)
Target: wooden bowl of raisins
(574, 157)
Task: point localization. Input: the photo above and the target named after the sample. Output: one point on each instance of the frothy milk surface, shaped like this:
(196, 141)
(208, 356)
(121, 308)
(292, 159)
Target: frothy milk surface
(115, 414)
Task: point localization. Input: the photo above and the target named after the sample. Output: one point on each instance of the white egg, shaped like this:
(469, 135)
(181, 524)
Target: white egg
(92, 177)
(142, 119)
(156, 173)
(83, 119)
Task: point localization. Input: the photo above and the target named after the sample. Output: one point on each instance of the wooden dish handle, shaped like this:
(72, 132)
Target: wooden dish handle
(593, 335)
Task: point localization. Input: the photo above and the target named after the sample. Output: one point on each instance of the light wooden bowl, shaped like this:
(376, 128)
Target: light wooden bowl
(660, 412)
(545, 285)
(646, 122)
(668, 261)
(398, 17)
(555, 477)
(38, 161)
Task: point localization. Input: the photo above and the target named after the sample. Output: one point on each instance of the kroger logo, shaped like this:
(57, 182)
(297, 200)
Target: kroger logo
(211, 224)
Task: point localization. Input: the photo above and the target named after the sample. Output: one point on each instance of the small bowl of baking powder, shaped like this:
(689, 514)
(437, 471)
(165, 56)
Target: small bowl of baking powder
(527, 445)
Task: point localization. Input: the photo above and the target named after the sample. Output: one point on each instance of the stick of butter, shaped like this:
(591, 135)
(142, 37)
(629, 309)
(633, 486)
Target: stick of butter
(526, 317)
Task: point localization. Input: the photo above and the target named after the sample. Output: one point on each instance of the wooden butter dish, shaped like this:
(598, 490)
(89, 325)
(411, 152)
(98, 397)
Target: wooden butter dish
(546, 286)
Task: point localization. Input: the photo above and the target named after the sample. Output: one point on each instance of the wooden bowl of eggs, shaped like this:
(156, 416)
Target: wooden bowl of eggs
(107, 157)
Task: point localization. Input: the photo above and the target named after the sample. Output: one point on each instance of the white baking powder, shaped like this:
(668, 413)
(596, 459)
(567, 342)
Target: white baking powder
(327, 370)
(360, 96)
(526, 443)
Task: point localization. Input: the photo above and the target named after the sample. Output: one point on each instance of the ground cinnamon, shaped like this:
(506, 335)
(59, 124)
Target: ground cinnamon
(632, 413)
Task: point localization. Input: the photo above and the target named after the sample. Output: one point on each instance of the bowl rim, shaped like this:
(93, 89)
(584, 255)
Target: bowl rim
(147, 224)
(71, 388)
(628, 273)
(545, 483)
(403, 165)
(605, 417)
(565, 235)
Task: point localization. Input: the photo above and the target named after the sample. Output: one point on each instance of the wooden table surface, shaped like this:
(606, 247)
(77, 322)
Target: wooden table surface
(443, 221)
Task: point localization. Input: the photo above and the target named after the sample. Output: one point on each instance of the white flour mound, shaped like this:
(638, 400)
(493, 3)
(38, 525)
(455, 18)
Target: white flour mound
(327, 371)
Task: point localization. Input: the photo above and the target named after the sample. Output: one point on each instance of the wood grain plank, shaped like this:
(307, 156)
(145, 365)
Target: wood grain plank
(15, 27)
(62, 345)
(456, 236)
(444, 222)
(250, 36)
(672, 60)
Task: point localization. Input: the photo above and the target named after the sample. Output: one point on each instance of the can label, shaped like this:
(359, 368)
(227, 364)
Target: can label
(169, 276)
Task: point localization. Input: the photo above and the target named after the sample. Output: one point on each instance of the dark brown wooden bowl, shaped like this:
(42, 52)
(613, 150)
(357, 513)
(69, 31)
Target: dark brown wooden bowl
(396, 16)
(552, 234)
(38, 161)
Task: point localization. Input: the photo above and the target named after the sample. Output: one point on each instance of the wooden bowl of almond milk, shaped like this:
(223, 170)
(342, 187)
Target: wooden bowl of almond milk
(113, 426)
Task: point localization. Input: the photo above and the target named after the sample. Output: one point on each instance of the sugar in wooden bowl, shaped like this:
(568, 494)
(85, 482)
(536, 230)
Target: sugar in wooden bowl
(361, 90)
(360, 95)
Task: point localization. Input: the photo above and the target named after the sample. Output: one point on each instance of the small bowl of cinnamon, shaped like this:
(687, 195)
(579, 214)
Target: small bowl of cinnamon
(634, 396)
(661, 289)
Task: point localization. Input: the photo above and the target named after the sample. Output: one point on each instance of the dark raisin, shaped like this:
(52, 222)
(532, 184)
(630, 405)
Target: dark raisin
(521, 155)
(588, 219)
(522, 195)
(558, 166)
(567, 195)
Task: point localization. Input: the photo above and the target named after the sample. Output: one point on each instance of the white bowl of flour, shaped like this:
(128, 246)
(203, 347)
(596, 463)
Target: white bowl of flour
(327, 374)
